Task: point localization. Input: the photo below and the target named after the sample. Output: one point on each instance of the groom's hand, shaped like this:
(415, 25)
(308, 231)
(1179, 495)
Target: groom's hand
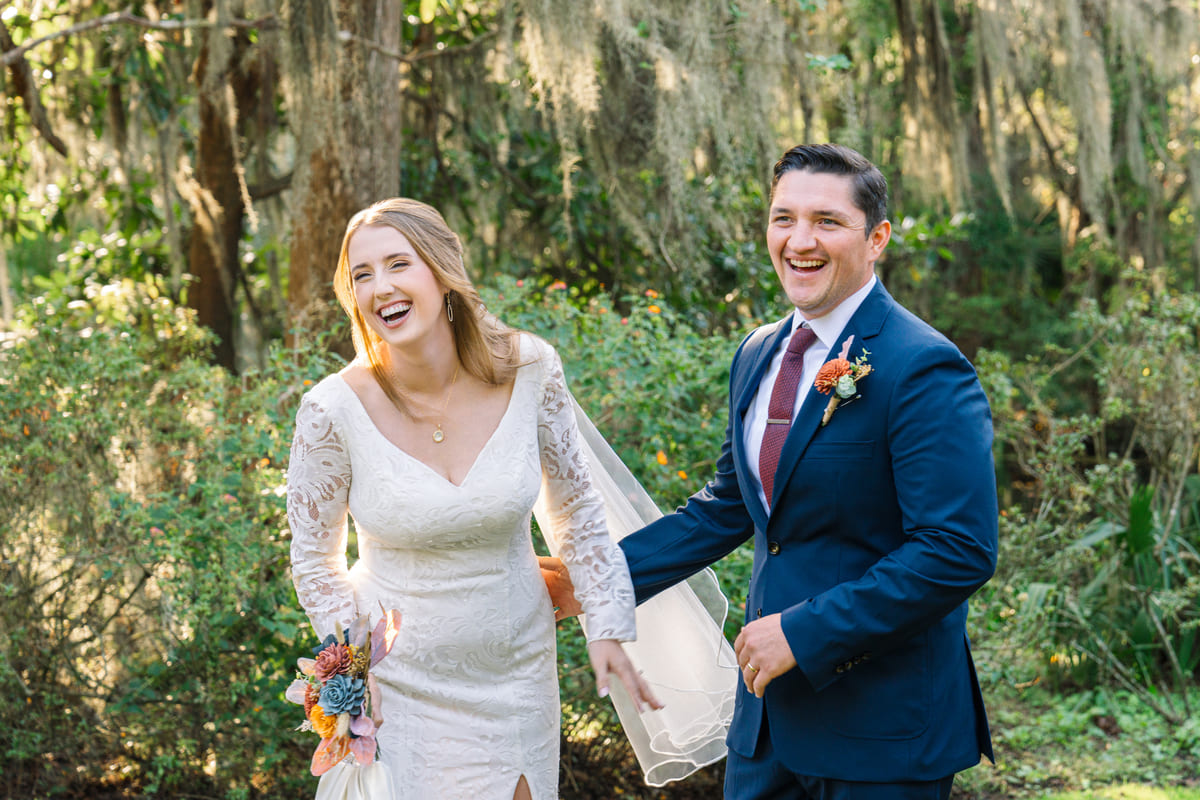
(562, 591)
(763, 653)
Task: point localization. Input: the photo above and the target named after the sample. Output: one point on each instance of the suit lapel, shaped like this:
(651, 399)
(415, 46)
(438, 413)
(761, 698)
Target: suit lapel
(758, 355)
(863, 326)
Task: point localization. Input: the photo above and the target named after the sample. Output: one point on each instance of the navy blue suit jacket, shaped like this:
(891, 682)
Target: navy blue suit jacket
(882, 524)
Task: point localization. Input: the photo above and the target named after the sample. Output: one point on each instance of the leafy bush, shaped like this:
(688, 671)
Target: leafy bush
(655, 386)
(146, 609)
(1100, 571)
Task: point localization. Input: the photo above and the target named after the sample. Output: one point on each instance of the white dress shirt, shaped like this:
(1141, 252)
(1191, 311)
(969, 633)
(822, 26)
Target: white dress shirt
(827, 328)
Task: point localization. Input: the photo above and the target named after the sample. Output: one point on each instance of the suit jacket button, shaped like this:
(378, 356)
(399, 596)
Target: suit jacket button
(773, 548)
(758, 613)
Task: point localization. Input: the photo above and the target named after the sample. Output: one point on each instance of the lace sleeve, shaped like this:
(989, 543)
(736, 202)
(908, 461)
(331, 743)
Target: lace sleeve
(576, 531)
(318, 485)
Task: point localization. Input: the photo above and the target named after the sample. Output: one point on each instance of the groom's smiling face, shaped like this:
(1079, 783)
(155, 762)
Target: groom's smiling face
(818, 240)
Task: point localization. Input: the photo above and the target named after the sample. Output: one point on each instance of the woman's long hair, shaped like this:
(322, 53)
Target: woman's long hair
(487, 348)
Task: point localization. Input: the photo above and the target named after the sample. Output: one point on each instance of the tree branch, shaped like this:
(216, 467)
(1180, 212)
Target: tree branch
(15, 54)
(1061, 176)
(269, 187)
(26, 87)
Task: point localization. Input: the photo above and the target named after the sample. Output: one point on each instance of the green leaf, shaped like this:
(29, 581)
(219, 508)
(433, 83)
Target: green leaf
(1100, 531)
(1139, 536)
(1036, 596)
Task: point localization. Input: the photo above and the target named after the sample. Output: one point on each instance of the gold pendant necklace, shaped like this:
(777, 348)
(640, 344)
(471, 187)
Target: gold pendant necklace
(438, 435)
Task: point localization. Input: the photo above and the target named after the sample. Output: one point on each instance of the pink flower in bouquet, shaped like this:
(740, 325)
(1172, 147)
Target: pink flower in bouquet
(333, 660)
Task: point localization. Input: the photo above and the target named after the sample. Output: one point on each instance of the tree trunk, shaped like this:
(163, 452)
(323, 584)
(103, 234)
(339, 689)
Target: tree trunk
(344, 100)
(229, 94)
(217, 215)
(933, 131)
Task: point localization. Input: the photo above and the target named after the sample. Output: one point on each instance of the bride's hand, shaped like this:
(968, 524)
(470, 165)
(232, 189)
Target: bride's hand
(608, 657)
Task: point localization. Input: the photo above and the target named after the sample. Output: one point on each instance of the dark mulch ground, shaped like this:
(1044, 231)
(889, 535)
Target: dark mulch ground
(607, 769)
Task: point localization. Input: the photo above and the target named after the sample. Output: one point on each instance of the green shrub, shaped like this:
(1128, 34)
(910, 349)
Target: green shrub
(1100, 545)
(147, 615)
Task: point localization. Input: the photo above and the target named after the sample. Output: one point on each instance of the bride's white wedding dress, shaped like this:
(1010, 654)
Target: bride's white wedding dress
(470, 693)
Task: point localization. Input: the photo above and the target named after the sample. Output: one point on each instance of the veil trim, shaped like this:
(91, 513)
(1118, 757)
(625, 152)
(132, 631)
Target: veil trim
(681, 648)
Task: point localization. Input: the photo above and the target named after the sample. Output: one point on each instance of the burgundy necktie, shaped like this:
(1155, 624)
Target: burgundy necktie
(779, 411)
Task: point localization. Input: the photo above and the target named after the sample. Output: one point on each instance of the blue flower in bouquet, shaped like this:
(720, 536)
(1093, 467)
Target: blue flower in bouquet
(343, 694)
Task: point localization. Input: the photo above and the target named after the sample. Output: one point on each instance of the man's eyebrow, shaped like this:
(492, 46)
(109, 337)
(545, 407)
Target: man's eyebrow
(817, 212)
(831, 212)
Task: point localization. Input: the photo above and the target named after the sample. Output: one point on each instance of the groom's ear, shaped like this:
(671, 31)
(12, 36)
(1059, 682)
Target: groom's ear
(878, 239)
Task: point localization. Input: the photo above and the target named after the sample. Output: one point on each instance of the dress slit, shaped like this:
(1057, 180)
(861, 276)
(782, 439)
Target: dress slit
(521, 779)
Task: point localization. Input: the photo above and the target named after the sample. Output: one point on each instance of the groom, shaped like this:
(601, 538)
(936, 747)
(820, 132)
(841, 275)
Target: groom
(871, 527)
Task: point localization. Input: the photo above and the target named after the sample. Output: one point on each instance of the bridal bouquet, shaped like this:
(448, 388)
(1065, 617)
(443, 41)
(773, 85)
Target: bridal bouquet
(341, 700)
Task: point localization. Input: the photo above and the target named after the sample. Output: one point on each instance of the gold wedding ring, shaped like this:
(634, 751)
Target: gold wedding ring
(752, 668)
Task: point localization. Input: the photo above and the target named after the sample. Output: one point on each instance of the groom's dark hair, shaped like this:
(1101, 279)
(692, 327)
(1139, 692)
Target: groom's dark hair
(870, 187)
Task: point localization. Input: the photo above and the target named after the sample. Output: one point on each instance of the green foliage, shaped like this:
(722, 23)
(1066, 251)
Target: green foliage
(979, 278)
(146, 598)
(1100, 562)
(57, 247)
(1095, 740)
(654, 385)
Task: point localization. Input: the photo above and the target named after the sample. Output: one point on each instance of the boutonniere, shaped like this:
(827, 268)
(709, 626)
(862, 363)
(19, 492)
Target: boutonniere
(839, 377)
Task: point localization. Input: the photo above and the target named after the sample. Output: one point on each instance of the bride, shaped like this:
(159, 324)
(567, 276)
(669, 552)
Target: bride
(439, 438)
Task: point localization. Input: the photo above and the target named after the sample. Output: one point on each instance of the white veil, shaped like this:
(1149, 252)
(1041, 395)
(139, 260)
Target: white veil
(681, 650)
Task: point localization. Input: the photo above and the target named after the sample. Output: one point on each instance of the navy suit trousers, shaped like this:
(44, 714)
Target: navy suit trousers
(763, 777)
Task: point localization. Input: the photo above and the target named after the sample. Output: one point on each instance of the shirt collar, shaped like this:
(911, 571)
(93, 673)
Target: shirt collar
(829, 326)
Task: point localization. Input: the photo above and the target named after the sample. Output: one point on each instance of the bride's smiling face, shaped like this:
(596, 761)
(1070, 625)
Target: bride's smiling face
(399, 296)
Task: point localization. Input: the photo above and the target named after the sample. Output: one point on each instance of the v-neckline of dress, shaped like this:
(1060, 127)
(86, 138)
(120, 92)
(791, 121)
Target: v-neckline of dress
(471, 470)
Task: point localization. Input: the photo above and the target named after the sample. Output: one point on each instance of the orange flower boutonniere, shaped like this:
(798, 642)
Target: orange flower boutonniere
(839, 378)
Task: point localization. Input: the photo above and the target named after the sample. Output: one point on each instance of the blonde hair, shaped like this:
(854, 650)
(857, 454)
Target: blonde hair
(487, 348)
